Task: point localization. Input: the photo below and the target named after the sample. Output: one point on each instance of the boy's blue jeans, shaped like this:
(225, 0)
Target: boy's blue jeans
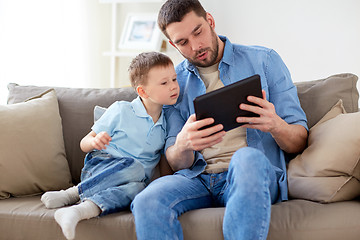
(110, 182)
(247, 190)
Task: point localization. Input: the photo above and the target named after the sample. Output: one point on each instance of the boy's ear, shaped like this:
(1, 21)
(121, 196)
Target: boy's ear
(141, 91)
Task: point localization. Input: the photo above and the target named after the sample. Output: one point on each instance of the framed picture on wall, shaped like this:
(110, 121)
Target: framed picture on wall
(141, 32)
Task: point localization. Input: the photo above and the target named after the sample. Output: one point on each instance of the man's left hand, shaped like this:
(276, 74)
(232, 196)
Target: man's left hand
(267, 121)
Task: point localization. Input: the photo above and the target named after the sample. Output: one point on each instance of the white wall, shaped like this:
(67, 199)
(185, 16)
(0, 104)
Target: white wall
(61, 42)
(316, 38)
(53, 43)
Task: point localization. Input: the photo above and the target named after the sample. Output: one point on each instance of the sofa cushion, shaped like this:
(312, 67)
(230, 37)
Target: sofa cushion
(318, 96)
(328, 170)
(295, 219)
(32, 158)
(304, 220)
(76, 107)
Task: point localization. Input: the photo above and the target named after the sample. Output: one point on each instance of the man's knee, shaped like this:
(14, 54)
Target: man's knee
(150, 198)
(141, 201)
(248, 158)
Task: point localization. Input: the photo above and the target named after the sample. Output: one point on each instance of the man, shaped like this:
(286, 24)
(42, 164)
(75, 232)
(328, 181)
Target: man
(243, 169)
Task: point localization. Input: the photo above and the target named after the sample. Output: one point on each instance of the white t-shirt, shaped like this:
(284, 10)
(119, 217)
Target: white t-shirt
(218, 156)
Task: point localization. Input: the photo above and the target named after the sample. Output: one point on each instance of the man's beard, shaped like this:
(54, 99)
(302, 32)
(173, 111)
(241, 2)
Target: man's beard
(213, 52)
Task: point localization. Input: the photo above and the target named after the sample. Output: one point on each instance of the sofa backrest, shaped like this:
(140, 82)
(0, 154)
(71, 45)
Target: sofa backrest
(319, 96)
(76, 106)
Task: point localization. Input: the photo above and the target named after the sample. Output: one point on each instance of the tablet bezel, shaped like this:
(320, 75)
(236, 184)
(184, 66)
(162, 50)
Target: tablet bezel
(223, 104)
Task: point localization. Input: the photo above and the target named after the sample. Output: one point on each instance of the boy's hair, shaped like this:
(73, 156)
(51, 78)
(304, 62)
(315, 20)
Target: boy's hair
(142, 63)
(175, 10)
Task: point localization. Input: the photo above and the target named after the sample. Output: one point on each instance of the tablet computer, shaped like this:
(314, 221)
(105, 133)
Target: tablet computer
(223, 104)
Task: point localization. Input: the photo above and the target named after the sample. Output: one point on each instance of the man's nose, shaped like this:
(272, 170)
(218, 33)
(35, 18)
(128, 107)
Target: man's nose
(195, 45)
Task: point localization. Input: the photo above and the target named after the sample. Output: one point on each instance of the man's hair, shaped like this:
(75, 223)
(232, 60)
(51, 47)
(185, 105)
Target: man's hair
(175, 10)
(143, 63)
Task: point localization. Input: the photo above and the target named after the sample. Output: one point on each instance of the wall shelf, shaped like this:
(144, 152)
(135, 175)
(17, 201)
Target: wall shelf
(129, 1)
(114, 53)
(120, 54)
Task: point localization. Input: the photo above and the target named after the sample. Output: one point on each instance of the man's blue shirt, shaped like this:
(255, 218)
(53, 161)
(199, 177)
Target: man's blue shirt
(240, 62)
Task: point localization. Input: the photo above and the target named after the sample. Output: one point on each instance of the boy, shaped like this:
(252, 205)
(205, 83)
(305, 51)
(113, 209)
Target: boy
(123, 147)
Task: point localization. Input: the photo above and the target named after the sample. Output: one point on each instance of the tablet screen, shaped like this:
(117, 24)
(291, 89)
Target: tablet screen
(223, 104)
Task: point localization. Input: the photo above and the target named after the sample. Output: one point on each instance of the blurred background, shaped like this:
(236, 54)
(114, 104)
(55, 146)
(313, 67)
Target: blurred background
(74, 43)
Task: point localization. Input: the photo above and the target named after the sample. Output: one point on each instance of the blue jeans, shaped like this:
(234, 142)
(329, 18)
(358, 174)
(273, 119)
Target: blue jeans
(247, 190)
(110, 182)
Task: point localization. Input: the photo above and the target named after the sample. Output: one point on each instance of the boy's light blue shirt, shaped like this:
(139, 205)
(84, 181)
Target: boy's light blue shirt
(240, 62)
(133, 133)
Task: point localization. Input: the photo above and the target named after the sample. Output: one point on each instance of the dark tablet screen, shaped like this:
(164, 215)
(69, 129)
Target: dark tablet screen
(223, 104)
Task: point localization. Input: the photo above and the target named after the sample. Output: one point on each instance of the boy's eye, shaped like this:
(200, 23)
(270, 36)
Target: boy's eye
(175, 79)
(163, 83)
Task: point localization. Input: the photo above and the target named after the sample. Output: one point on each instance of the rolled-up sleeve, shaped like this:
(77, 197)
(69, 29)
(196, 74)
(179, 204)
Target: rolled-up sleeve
(283, 93)
(175, 122)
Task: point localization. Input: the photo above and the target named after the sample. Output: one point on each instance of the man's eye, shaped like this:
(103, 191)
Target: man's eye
(197, 33)
(183, 43)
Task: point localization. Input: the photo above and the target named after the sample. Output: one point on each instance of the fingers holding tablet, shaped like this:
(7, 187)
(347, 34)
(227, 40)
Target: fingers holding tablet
(267, 119)
(223, 104)
(198, 135)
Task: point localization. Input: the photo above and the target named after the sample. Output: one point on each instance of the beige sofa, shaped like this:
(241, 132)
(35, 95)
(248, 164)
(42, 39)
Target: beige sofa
(25, 217)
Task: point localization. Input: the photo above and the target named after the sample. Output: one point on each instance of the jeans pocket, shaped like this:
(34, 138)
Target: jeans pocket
(85, 174)
(92, 159)
(224, 188)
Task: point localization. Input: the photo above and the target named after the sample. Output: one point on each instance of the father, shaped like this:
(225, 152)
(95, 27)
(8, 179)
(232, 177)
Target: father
(243, 169)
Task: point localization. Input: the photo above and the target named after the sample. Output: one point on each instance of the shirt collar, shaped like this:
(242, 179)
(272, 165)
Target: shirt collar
(228, 56)
(140, 111)
(139, 108)
(161, 120)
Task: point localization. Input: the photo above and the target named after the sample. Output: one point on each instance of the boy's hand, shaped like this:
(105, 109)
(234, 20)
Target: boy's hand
(100, 141)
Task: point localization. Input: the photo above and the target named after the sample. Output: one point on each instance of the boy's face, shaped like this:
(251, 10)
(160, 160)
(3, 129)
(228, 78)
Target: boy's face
(162, 86)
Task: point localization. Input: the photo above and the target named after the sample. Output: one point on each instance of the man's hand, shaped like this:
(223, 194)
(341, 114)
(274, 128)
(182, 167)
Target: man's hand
(290, 138)
(268, 121)
(190, 139)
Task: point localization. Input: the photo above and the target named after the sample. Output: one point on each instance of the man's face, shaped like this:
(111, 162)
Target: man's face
(195, 39)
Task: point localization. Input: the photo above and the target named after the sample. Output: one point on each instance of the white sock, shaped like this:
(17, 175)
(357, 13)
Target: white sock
(69, 217)
(55, 199)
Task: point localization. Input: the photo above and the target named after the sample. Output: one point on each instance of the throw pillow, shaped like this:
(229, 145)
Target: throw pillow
(98, 112)
(328, 170)
(32, 158)
(76, 107)
(317, 97)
